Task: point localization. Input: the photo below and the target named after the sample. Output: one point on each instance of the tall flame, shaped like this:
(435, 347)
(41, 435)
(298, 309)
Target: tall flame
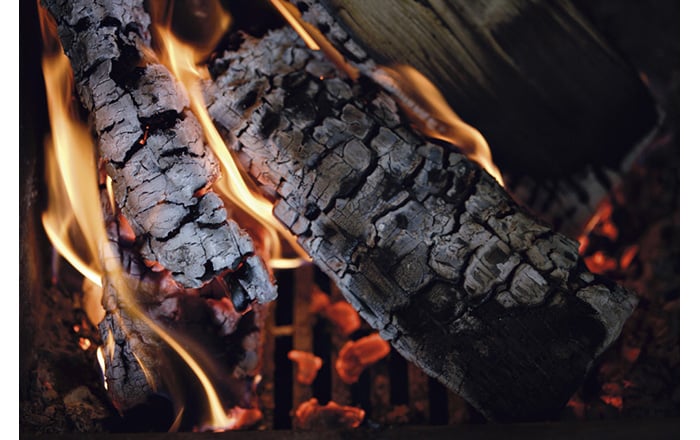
(74, 220)
(181, 58)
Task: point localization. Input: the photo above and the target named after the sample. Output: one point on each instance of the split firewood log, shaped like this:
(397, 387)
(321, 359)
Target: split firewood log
(428, 248)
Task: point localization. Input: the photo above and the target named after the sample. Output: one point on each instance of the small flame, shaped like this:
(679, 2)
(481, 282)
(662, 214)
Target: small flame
(433, 116)
(313, 37)
(101, 361)
(181, 60)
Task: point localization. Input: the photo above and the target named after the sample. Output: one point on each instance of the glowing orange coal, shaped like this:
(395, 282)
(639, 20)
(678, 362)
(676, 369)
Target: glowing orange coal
(311, 415)
(355, 356)
(307, 365)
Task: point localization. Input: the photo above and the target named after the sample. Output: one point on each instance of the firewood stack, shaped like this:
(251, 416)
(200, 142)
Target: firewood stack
(431, 251)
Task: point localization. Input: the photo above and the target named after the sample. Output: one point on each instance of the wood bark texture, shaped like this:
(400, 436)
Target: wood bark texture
(426, 246)
(563, 111)
(153, 146)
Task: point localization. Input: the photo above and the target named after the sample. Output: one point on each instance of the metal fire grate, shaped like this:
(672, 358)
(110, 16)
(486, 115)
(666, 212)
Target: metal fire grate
(392, 391)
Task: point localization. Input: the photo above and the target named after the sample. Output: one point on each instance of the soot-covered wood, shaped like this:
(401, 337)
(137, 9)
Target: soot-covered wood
(427, 247)
(153, 145)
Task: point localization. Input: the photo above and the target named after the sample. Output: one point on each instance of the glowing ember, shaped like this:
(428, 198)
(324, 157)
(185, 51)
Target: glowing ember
(311, 415)
(355, 356)
(340, 313)
(307, 365)
(239, 418)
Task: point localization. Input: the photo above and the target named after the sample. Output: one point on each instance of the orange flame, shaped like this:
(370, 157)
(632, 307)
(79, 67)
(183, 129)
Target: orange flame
(433, 116)
(181, 59)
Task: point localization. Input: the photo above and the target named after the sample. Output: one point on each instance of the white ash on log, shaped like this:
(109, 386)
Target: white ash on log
(427, 247)
(153, 145)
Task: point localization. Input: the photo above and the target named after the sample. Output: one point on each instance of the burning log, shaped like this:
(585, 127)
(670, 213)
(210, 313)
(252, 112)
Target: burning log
(184, 274)
(153, 146)
(428, 248)
(528, 88)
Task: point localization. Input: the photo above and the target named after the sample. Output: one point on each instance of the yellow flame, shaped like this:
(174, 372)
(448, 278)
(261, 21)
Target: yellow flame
(291, 14)
(433, 116)
(103, 368)
(72, 224)
(180, 59)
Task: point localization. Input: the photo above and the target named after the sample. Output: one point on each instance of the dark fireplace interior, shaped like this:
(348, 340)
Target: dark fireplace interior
(622, 202)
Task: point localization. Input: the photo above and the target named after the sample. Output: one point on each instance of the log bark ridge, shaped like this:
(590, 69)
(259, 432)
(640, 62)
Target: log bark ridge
(153, 145)
(426, 246)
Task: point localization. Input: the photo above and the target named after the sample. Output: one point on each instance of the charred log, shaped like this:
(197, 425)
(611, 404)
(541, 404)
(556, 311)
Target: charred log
(160, 167)
(426, 246)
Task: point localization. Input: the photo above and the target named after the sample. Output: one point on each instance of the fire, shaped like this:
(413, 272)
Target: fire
(74, 221)
(433, 116)
(181, 59)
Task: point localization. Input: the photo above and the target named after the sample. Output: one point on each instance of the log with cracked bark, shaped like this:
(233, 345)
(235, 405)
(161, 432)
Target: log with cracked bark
(156, 156)
(140, 364)
(509, 67)
(161, 171)
(426, 246)
(532, 76)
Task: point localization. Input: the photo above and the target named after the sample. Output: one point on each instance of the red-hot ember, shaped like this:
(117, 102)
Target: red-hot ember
(307, 365)
(355, 356)
(344, 316)
(340, 313)
(311, 415)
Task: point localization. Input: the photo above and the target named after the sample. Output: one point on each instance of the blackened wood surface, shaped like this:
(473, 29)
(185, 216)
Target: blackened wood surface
(426, 246)
(546, 89)
(153, 145)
